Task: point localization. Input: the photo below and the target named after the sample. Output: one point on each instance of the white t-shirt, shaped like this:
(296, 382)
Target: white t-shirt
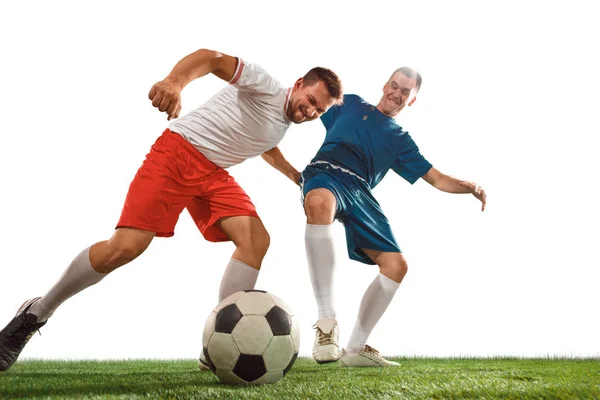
(243, 120)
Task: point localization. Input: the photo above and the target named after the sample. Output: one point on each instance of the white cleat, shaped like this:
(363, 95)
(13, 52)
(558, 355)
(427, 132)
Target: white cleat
(367, 357)
(326, 348)
(202, 363)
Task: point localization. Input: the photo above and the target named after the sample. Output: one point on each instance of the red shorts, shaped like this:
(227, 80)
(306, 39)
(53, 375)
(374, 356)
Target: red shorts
(175, 176)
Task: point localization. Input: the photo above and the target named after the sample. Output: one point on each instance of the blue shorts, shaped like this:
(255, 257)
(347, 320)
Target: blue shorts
(366, 225)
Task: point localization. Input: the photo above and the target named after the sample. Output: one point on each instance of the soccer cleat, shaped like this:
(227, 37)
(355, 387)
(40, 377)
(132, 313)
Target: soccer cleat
(202, 363)
(367, 357)
(326, 348)
(16, 334)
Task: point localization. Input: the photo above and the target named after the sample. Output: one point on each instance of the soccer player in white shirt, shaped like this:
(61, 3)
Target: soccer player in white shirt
(186, 168)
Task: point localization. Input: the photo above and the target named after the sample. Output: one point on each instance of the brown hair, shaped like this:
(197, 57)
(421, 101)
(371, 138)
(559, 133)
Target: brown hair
(409, 73)
(329, 78)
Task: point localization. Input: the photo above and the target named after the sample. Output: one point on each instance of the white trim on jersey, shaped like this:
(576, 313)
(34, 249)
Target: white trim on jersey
(238, 72)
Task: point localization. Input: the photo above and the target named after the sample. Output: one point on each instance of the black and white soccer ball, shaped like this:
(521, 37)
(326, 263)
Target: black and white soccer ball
(251, 337)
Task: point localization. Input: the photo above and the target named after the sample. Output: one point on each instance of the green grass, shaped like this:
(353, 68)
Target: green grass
(417, 378)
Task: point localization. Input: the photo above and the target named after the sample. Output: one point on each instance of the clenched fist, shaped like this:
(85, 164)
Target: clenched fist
(166, 96)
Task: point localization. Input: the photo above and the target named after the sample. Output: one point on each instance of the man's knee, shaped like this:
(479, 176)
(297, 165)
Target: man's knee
(395, 268)
(122, 253)
(319, 205)
(249, 235)
(123, 247)
(259, 243)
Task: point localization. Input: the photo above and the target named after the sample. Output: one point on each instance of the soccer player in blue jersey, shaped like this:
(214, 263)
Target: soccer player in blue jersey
(363, 142)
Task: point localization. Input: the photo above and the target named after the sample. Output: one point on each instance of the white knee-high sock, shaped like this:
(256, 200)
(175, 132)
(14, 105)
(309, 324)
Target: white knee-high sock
(78, 276)
(238, 276)
(375, 301)
(321, 265)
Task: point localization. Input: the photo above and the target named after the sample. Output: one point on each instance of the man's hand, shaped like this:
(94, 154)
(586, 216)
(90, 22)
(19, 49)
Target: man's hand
(476, 190)
(166, 96)
(297, 177)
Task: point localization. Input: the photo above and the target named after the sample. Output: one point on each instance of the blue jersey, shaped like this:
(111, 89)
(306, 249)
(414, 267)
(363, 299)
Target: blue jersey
(367, 142)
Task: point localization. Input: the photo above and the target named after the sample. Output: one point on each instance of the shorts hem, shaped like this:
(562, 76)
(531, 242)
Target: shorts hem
(147, 228)
(365, 259)
(224, 238)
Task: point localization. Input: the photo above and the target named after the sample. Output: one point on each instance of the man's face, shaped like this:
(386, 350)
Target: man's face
(308, 102)
(398, 92)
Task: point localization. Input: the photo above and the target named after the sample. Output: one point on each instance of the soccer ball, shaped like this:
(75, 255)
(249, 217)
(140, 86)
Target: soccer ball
(251, 337)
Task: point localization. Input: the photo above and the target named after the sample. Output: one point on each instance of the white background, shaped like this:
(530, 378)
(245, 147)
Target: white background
(509, 100)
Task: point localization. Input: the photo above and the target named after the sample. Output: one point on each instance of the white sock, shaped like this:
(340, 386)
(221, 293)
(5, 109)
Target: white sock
(321, 265)
(375, 301)
(78, 276)
(238, 276)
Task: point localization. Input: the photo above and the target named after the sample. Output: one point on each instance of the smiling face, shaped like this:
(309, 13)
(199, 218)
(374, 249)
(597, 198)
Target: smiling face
(398, 92)
(308, 102)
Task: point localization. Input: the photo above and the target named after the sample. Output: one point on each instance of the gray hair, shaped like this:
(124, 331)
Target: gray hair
(409, 73)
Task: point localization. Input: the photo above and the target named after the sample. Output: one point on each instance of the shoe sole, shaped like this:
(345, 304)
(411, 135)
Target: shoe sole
(325, 361)
(343, 364)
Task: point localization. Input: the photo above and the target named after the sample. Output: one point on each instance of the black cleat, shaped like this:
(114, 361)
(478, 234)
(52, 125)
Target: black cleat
(16, 334)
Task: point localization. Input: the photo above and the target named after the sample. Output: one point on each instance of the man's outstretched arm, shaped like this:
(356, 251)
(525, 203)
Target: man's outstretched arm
(166, 94)
(278, 161)
(449, 184)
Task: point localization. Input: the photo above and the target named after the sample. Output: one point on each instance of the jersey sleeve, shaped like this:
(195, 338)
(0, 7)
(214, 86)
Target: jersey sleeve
(328, 118)
(252, 77)
(410, 163)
